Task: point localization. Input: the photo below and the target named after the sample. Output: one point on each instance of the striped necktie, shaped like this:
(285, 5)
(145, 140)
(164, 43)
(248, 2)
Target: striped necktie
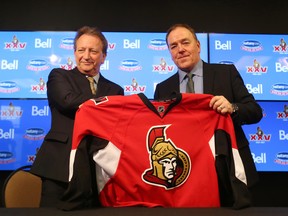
(92, 85)
(190, 83)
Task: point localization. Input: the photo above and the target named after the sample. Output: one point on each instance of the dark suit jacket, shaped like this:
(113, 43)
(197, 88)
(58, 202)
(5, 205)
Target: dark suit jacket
(222, 79)
(66, 90)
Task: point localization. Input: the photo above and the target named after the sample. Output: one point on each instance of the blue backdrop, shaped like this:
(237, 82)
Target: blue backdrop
(28, 57)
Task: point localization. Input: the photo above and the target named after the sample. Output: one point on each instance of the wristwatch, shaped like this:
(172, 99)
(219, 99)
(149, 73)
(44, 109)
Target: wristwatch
(235, 108)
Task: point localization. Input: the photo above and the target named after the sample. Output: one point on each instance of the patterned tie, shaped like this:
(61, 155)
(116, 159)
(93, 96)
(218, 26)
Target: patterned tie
(190, 83)
(92, 85)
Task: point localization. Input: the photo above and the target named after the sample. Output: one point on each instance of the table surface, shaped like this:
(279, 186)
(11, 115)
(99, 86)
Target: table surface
(143, 211)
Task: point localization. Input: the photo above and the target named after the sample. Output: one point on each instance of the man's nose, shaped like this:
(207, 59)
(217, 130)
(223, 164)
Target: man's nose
(86, 54)
(180, 47)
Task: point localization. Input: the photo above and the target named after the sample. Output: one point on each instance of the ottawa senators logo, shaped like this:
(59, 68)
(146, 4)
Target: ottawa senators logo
(170, 165)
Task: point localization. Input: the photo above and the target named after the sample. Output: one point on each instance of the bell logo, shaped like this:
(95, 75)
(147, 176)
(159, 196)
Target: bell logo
(223, 46)
(256, 89)
(131, 45)
(7, 134)
(5, 65)
(283, 135)
(40, 112)
(259, 159)
(43, 44)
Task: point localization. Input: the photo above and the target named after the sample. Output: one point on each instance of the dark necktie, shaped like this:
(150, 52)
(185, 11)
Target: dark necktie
(190, 83)
(92, 85)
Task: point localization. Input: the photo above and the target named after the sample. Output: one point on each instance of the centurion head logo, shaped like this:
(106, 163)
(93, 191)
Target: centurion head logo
(170, 165)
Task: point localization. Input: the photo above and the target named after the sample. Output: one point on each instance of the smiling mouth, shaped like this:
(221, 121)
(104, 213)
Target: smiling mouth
(87, 63)
(182, 57)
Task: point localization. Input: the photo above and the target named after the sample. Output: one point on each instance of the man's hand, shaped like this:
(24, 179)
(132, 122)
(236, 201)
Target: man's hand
(221, 105)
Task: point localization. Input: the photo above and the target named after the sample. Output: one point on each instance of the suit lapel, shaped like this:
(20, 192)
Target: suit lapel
(208, 77)
(102, 86)
(174, 84)
(81, 81)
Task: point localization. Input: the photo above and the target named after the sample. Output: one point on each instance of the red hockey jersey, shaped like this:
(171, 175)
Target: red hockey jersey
(152, 153)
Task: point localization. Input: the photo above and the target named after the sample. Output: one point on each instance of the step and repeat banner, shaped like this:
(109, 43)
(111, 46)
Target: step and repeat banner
(137, 61)
(133, 58)
(262, 61)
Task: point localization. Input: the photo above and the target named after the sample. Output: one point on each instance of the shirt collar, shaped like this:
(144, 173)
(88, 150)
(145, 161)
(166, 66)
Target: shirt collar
(197, 71)
(96, 77)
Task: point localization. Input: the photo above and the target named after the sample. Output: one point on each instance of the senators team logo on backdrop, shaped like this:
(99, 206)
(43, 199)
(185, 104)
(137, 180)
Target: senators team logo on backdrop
(283, 114)
(134, 87)
(281, 48)
(256, 68)
(31, 158)
(163, 67)
(260, 136)
(10, 112)
(40, 87)
(170, 165)
(69, 64)
(15, 44)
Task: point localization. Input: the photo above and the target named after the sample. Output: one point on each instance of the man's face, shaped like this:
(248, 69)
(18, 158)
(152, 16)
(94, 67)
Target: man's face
(184, 48)
(89, 55)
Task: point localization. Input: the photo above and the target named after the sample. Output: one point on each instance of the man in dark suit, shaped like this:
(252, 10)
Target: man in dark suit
(66, 90)
(223, 81)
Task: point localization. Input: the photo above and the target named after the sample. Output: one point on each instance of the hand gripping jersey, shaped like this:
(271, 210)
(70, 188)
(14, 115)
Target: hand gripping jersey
(174, 153)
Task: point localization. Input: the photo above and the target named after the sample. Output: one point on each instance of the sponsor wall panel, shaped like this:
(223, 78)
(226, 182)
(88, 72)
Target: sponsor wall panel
(23, 125)
(137, 61)
(28, 57)
(262, 62)
(269, 138)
